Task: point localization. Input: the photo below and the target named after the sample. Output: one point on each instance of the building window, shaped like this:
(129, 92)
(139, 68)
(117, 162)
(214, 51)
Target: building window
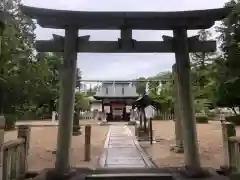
(106, 90)
(122, 90)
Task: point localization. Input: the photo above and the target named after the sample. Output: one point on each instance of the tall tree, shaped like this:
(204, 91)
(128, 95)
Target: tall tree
(141, 85)
(201, 71)
(78, 79)
(160, 90)
(16, 56)
(229, 82)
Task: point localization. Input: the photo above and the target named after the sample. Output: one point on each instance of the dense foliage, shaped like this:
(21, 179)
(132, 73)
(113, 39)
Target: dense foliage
(215, 76)
(29, 81)
(229, 74)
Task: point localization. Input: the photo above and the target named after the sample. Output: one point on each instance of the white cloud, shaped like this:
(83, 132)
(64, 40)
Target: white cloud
(121, 66)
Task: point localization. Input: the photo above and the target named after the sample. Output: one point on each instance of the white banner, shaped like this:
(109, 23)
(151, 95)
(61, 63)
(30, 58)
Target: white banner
(128, 108)
(107, 109)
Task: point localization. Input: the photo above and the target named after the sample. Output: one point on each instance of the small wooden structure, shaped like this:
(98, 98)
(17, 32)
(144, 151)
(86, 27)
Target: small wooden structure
(143, 129)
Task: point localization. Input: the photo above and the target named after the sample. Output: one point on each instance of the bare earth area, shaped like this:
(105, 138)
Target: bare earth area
(210, 144)
(44, 139)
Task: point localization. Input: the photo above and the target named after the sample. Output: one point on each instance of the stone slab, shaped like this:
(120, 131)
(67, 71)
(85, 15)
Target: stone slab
(121, 149)
(130, 158)
(125, 161)
(122, 152)
(125, 165)
(118, 146)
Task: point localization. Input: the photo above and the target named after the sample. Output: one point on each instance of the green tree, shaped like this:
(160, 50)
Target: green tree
(160, 90)
(78, 79)
(81, 101)
(16, 56)
(229, 81)
(91, 91)
(202, 67)
(141, 85)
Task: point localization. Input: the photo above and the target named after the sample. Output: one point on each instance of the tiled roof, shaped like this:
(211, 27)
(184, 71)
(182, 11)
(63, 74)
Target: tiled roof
(117, 90)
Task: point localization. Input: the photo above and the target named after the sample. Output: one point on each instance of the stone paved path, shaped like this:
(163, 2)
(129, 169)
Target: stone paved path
(122, 150)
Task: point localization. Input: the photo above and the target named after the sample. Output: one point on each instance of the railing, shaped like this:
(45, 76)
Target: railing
(87, 115)
(234, 152)
(231, 146)
(14, 153)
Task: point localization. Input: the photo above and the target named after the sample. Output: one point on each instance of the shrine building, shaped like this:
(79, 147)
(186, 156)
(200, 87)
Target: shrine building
(116, 99)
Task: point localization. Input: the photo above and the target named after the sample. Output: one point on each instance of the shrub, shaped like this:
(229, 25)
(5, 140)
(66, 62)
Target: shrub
(10, 122)
(201, 118)
(158, 117)
(211, 114)
(234, 119)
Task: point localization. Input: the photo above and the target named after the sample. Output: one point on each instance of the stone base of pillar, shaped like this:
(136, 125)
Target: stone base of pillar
(177, 149)
(52, 174)
(196, 173)
(226, 170)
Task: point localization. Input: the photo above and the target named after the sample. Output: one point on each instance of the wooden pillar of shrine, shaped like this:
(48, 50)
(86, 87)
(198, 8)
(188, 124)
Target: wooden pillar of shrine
(187, 114)
(178, 147)
(67, 95)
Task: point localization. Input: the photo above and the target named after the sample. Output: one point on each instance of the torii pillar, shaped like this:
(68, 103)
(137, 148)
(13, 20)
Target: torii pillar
(187, 112)
(67, 95)
(1, 34)
(178, 147)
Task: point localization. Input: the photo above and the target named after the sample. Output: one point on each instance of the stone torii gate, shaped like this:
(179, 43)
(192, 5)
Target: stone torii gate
(180, 44)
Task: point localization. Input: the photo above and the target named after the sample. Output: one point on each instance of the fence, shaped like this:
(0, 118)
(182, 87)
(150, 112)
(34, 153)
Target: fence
(14, 153)
(231, 145)
(159, 115)
(234, 156)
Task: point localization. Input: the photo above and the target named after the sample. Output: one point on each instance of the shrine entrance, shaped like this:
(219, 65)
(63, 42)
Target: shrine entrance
(117, 98)
(180, 44)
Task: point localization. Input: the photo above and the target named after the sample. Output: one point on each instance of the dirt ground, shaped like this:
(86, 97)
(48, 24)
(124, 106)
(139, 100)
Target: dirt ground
(44, 138)
(209, 138)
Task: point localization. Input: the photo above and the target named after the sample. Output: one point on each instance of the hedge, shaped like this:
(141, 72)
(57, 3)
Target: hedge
(201, 118)
(234, 119)
(10, 121)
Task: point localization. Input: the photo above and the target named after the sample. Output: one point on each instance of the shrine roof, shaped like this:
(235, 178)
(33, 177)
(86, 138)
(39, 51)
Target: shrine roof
(112, 90)
(117, 82)
(60, 19)
(116, 97)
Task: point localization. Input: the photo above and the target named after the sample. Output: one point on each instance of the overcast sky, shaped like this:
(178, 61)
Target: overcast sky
(121, 66)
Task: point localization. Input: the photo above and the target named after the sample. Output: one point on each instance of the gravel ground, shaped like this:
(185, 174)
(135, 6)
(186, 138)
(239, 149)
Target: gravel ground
(209, 138)
(44, 137)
